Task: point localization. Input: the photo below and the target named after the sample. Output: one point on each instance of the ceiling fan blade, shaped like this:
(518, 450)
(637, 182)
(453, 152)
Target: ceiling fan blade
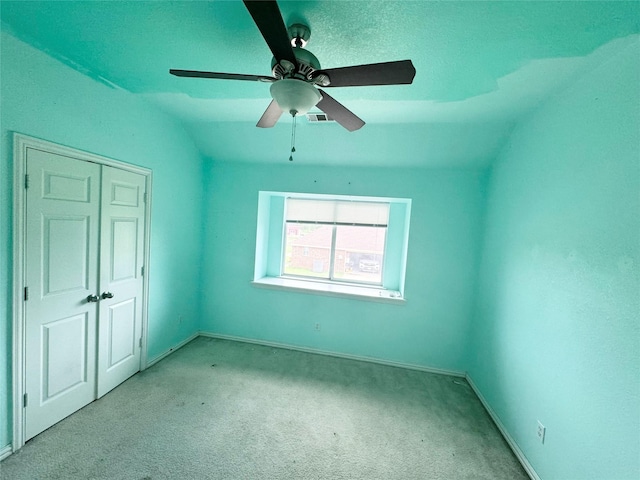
(221, 76)
(270, 115)
(339, 112)
(266, 14)
(387, 73)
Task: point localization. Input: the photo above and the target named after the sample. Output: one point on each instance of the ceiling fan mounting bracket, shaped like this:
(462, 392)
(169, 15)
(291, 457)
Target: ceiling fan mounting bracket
(299, 35)
(320, 78)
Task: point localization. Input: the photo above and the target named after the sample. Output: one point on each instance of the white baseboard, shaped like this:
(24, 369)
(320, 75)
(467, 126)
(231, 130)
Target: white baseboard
(390, 363)
(512, 443)
(5, 452)
(171, 350)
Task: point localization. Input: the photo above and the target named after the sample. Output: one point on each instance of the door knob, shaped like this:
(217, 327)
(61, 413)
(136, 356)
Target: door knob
(92, 298)
(107, 295)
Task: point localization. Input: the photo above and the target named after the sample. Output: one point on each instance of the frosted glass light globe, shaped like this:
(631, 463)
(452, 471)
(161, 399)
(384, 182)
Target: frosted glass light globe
(295, 96)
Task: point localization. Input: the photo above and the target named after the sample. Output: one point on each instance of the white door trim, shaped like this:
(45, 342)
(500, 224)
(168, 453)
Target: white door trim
(20, 145)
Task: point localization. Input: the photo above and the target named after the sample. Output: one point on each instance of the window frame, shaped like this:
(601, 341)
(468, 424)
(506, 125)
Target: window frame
(270, 245)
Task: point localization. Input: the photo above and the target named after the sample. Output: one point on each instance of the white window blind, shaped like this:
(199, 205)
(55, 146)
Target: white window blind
(337, 212)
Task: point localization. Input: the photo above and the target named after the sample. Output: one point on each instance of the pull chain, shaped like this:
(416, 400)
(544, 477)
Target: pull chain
(293, 135)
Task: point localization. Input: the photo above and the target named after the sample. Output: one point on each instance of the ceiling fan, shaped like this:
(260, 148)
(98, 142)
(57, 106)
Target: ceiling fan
(296, 72)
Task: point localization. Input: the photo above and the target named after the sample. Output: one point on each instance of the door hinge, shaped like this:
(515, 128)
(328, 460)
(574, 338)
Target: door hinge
(26, 181)
(140, 342)
(26, 293)
(142, 271)
(144, 197)
(25, 400)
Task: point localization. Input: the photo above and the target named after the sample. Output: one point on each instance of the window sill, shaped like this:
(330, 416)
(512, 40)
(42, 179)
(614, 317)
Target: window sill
(372, 294)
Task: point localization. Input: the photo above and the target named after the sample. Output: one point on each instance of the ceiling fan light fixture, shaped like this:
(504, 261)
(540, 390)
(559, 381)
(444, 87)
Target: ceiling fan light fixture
(295, 96)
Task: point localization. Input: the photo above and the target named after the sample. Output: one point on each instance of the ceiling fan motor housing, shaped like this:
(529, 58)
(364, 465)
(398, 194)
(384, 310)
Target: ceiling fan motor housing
(307, 64)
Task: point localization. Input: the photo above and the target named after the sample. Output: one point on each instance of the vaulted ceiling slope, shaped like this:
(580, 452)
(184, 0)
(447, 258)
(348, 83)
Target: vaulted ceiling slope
(480, 66)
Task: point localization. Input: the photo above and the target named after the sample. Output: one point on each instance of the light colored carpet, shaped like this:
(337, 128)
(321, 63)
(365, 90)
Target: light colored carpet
(227, 410)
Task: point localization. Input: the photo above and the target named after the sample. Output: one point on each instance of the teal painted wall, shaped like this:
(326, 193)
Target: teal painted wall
(557, 330)
(45, 99)
(430, 330)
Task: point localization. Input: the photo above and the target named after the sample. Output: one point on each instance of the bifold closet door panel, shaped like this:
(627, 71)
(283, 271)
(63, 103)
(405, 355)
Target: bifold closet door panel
(121, 286)
(61, 253)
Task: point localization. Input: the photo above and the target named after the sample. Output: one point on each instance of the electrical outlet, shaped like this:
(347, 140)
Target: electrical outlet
(317, 326)
(541, 432)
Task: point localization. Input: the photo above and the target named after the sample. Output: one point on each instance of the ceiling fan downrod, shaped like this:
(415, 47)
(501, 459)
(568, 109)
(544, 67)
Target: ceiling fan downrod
(299, 35)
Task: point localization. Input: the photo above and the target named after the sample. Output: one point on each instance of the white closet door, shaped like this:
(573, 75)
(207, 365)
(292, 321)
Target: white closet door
(62, 228)
(85, 227)
(121, 256)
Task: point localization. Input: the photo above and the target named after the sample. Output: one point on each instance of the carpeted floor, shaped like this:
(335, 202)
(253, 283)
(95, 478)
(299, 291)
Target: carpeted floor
(227, 410)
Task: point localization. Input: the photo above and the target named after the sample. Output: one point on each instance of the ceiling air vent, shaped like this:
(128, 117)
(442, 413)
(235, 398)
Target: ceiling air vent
(319, 118)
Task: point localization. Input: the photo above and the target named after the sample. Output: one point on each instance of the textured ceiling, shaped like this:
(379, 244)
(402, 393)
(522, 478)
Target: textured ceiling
(480, 65)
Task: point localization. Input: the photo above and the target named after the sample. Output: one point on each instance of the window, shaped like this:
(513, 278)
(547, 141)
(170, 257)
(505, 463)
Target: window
(336, 240)
(337, 245)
